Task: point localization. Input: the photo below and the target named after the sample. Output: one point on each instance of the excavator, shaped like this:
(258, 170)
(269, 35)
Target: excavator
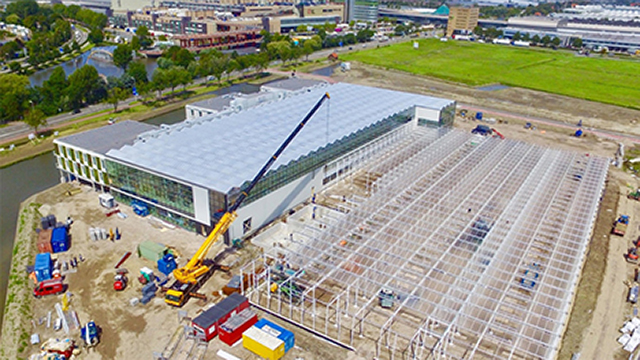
(198, 270)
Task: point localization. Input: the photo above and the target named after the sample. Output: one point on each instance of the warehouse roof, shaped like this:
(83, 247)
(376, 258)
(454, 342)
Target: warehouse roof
(220, 152)
(292, 84)
(217, 103)
(105, 138)
(218, 311)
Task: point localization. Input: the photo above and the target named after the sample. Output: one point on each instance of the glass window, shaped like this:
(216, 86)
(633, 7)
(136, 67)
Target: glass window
(98, 163)
(84, 158)
(70, 153)
(169, 193)
(77, 156)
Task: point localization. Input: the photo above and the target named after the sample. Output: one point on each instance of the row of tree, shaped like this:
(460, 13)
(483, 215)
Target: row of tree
(51, 29)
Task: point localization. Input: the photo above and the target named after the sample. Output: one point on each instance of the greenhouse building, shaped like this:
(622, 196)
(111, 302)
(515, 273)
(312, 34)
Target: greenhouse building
(189, 173)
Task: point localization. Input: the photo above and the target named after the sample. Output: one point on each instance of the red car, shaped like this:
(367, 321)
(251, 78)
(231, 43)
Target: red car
(49, 287)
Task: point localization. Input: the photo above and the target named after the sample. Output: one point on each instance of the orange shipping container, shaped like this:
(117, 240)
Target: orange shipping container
(44, 241)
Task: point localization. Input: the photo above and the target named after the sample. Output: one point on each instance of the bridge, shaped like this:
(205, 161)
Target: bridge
(101, 54)
(221, 40)
(424, 19)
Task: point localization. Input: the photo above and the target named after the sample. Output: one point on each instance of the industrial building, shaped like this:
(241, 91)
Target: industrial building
(81, 156)
(445, 245)
(617, 35)
(235, 101)
(190, 172)
(462, 20)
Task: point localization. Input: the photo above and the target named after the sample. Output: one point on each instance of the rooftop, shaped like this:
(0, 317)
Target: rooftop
(105, 138)
(220, 152)
(292, 84)
(217, 103)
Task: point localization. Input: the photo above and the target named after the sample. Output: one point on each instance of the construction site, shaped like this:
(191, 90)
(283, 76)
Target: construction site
(448, 246)
(422, 242)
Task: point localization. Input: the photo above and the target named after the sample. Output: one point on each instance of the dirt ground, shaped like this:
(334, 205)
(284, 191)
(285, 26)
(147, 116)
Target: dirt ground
(131, 332)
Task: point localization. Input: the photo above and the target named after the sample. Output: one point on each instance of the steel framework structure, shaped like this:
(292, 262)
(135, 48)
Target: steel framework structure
(480, 240)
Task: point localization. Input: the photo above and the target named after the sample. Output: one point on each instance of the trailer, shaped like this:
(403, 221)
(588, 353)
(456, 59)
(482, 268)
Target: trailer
(620, 226)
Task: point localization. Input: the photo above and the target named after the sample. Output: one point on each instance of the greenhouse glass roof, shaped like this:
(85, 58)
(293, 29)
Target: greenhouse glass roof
(220, 152)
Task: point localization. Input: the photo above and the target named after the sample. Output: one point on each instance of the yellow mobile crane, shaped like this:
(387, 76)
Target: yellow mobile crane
(198, 270)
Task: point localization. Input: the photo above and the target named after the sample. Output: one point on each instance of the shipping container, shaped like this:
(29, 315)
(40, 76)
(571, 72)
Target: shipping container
(207, 323)
(151, 250)
(44, 241)
(59, 240)
(43, 266)
(262, 344)
(231, 331)
(278, 331)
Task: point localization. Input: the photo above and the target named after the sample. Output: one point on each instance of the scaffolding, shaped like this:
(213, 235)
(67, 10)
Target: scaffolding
(475, 245)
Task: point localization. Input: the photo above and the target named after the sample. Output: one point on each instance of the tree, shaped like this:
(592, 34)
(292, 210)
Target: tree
(15, 67)
(116, 95)
(135, 43)
(14, 90)
(138, 71)
(535, 39)
(546, 40)
(122, 56)
(308, 48)
(555, 41)
(143, 35)
(179, 56)
(279, 50)
(8, 50)
(75, 46)
(96, 36)
(183, 76)
(577, 43)
(35, 118)
(517, 36)
(301, 28)
(159, 80)
(85, 85)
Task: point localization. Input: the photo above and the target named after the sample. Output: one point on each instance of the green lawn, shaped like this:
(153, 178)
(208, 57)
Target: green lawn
(611, 81)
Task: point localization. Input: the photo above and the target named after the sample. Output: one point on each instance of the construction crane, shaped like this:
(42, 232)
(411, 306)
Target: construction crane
(190, 277)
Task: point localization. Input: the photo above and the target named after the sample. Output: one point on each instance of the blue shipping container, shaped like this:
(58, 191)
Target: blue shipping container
(59, 240)
(276, 330)
(43, 266)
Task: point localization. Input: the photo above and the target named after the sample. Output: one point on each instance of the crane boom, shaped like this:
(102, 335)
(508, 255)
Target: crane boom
(195, 268)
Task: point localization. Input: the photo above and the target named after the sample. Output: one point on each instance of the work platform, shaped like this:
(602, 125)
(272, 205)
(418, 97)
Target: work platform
(480, 240)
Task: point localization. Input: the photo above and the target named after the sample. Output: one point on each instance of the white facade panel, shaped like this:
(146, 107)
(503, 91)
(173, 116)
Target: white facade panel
(427, 114)
(269, 207)
(201, 205)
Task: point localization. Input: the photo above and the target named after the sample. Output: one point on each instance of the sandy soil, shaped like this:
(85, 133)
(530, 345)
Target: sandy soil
(129, 332)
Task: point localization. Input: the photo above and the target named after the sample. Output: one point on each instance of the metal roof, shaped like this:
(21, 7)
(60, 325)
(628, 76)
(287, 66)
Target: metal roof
(218, 311)
(223, 151)
(217, 103)
(292, 84)
(105, 138)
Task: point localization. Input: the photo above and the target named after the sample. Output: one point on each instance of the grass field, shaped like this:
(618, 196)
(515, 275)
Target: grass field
(606, 80)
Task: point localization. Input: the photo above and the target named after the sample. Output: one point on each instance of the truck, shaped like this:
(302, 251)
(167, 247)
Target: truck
(634, 195)
(198, 270)
(483, 130)
(620, 225)
(632, 297)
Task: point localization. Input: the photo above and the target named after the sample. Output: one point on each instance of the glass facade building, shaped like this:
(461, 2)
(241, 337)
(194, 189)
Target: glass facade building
(156, 189)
